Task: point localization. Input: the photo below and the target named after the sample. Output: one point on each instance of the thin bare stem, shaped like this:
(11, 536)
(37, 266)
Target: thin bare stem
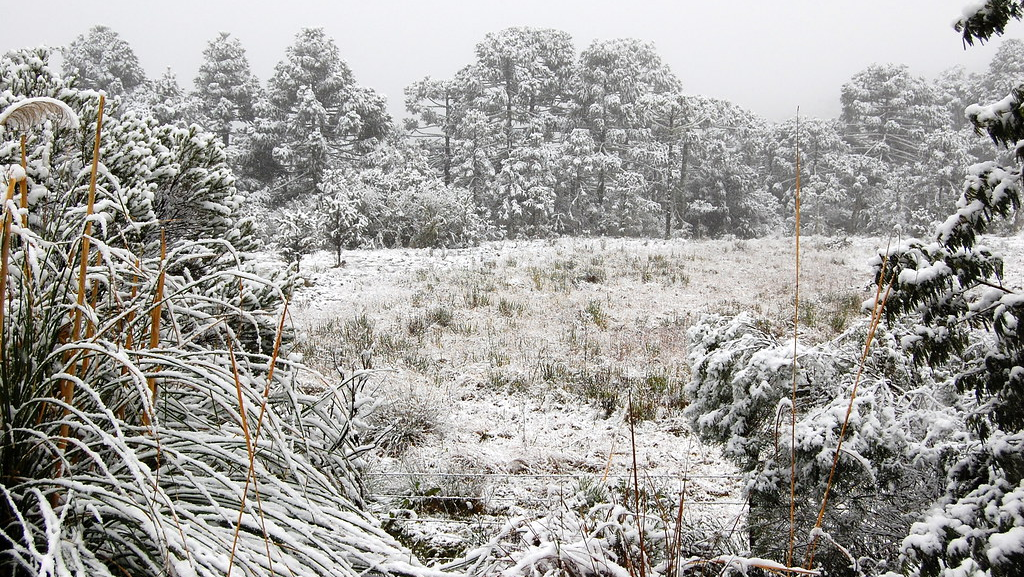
(876, 319)
(796, 326)
(636, 488)
(5, 257)
(67, 387)
(154, 322)
(251, 474)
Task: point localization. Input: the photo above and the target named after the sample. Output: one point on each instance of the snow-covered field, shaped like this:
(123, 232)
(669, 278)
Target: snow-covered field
(506, 368)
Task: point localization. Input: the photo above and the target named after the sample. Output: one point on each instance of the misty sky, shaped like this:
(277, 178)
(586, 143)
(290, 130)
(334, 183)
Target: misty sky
(767, 56)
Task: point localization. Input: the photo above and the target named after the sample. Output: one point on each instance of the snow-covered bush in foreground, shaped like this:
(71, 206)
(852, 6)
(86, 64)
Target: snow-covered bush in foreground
(606, 539)
(141, 432)
(899, 433)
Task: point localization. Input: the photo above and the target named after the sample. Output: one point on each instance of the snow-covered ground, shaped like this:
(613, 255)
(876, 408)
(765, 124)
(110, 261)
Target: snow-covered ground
(508, 366)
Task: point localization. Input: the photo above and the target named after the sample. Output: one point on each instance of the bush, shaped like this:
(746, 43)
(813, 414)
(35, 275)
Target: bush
(899, 432)
(139, 432)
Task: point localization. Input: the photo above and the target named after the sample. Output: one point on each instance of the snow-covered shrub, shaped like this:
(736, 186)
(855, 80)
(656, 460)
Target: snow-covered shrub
(898, 434)
(400, 208)
(153, 177)
(296, 232)
(404, 422)
(128, 450)
(139, 432)
(977, 528)
(589, 534)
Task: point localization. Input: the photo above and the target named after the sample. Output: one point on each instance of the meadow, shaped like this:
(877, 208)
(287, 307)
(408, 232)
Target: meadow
(504, 373)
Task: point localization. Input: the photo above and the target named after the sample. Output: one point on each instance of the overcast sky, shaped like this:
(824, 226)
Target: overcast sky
(767, 56)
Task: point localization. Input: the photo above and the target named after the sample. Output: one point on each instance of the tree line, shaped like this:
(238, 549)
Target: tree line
(535, 139)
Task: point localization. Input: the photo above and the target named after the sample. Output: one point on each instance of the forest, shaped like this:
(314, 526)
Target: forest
(161, 414)
(536, 139)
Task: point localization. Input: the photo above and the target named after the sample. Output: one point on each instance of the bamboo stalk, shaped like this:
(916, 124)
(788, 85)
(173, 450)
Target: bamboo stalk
(26, 266)
(84, 260)
(876, 319)
(24, 184)
(5, 255)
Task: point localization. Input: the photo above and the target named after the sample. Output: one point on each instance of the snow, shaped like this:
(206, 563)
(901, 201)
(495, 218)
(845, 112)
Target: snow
(15, 172)
(924, 275)
(530, 444)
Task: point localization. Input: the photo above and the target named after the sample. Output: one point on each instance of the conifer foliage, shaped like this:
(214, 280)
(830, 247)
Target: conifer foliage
(949, 291)
(102, 60)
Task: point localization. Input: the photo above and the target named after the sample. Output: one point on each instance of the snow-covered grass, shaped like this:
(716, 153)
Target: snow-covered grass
(513, 363)
(143, 431)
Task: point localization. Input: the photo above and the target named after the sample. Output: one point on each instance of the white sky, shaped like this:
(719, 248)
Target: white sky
(769, 56)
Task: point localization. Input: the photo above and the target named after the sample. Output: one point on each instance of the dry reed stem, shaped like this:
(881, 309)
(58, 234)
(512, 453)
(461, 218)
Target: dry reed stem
(250, 475)
(84, 256)
(154, 324)
(876, 319)
(27, 269)
(270, 370)
(636, 488)
(796, 326)
(67, 388)
(4, 262)
(24, 184)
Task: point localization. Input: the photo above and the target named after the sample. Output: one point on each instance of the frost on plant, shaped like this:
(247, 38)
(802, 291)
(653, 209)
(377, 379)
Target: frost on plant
(150, 423)
(897, 437)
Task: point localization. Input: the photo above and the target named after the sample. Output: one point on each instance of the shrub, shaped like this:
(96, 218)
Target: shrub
(140, 433)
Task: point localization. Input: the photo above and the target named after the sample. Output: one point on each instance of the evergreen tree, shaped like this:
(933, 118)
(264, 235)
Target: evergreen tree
(437, 107)
(887, 112)
(101, 60)
(949, 292)
(616, 82)
(226, 88)
(317, 114)
(956, 88)
(1004, 70)
(163, 176)
(163, 99)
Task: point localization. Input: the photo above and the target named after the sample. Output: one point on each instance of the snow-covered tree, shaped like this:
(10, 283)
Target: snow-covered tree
(318, 115)
(101, 60)
(436, 106)
(956, 88)
(616, 82)
(887, 111)
(163, 176)
(523, 75)
(701, 159)
(949, 291)
(898, 431)
(1004, 70)
(225, 86)
(164, 100)
(399, 202)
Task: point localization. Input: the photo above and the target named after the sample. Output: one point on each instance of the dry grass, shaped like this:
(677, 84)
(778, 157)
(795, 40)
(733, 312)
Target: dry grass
(593, 317)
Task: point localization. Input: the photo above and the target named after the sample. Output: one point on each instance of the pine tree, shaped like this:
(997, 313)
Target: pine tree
(616, 82)
(961, 316)
(887, 111)
(164, 100)
(102, 60)
(225, 86)
(437, 107)
(317, 114)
